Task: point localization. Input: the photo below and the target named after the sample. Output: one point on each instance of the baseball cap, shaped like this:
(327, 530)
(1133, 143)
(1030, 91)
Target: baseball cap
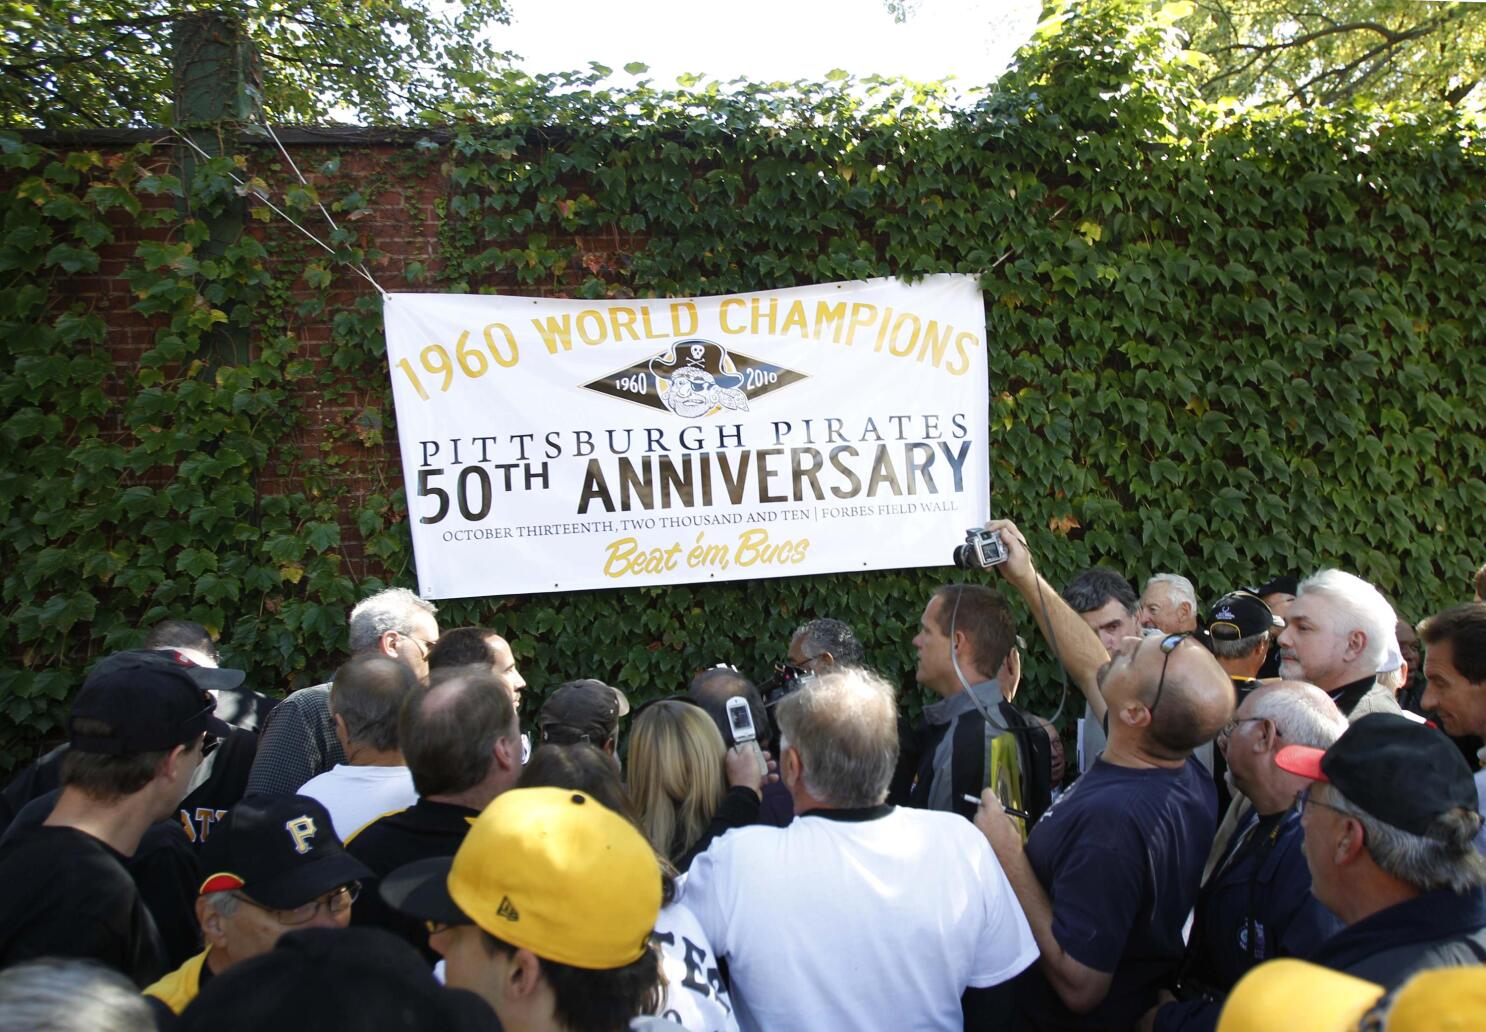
(582, 710)
(550, 870)
(1287, 991)
(280, 851)
(1240, 614)
(148, 700)
(211, 678)
(1284, 584)
(324, 978)
(1402, 772)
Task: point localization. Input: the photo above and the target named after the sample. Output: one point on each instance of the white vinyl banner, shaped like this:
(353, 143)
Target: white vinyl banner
(557, 445)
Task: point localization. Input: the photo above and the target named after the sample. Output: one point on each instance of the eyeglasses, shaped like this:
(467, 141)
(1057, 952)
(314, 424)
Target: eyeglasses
(424, 647)
(1168, 646)
(1227, 729)
(1303, 799)
(336, 902)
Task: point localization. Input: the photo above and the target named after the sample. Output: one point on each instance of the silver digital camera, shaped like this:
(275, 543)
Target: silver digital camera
(982, 550)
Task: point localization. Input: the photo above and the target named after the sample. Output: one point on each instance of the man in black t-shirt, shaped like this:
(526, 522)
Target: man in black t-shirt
(138, 730)
(1109, 875)
(462, 743)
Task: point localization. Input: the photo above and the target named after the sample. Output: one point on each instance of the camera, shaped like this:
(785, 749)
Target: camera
(982, 550)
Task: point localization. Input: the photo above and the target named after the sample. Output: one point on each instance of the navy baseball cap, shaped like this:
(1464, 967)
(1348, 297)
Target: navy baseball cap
(149, 702)
(1240, 614)
(1398, 770)
(280, 851)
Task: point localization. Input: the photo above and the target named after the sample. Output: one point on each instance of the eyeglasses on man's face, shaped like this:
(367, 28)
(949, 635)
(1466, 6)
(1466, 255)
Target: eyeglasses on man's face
(337, 901)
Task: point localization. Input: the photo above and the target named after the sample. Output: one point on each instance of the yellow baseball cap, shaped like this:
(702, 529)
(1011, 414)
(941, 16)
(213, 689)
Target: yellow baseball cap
(1294, 994)
(554, 871)
(1442, 1000)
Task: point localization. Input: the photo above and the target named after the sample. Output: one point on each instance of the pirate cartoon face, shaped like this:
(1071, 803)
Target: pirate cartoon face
(695, 379)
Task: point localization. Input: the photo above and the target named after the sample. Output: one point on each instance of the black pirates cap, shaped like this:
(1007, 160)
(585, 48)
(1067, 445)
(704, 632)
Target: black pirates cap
(280, 851)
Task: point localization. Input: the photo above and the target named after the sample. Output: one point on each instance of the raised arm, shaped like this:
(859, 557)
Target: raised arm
(1072, 640)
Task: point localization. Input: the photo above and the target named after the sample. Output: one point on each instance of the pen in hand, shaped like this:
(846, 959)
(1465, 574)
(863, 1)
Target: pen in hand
(1011, 811)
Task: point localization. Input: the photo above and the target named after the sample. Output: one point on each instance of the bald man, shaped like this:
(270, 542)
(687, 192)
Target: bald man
(1120, 854)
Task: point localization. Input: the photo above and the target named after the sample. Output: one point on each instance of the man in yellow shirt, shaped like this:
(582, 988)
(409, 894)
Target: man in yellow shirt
(272, 865)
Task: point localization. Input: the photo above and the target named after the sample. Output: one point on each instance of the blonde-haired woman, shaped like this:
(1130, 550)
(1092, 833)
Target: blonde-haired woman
(688, 787)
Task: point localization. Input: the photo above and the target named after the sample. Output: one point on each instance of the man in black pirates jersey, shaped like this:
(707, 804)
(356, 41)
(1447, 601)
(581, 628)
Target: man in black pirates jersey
(273, 864)
(462, 744)
(1241, 631)
(138, 730)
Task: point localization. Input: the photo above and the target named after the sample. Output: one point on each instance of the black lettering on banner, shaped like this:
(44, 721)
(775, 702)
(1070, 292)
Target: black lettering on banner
(464, 495)
(425, 489)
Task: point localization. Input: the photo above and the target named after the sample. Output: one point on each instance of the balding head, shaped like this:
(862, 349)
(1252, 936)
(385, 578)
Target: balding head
(1165, 701)
(366, 697)
(1273, 716)
(461, 734)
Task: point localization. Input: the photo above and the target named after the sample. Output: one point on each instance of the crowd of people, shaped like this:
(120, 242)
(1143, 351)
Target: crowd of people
(1268, 815)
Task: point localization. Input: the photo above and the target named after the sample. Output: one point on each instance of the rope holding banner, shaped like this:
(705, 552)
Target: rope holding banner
(359, 268)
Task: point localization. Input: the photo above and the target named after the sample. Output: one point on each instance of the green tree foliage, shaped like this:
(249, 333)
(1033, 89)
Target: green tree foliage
(1310, 53)
(68, 63)
(1232, 346)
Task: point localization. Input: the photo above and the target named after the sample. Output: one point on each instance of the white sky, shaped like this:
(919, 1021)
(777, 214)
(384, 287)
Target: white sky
(768, 40)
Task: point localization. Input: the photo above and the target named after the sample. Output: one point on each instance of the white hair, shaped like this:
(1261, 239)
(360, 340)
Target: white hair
(1180, 588)
(56, 994)
(394, 609)
(1357, 606)
(845, 727)
(1302, 713)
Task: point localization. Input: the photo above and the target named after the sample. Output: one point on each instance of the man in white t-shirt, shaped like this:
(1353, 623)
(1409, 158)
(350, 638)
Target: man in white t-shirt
(365, 700)
(859, 914)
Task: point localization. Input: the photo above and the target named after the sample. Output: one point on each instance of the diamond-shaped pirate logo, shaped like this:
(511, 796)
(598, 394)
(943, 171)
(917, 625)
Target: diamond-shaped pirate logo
(696, 378)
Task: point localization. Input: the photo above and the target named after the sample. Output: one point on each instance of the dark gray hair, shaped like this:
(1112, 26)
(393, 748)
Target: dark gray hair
(449, 729)
(368, 693)
(394, 609)
(1095, 587)
(1446, 858)
(54, 994)
(832, 636)
(845, 726)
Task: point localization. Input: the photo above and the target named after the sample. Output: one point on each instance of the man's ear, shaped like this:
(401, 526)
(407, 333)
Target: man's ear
(790, 767)
(387, 644)
(1135, 714)
(1356, 642)
(213, 930)
(523, 976)
(340, 729)
(507, 751)
(1349, 845)
(170, 766)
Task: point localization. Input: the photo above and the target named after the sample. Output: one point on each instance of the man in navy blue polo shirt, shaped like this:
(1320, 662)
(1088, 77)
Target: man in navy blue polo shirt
(1389, 824)
(1109, 875)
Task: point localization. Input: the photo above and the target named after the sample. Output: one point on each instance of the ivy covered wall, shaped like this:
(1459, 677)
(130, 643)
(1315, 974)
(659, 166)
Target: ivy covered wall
(1230, 346)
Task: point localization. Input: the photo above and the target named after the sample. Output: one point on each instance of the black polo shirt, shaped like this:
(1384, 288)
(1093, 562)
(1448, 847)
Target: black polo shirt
(425, 829)
(67, 894)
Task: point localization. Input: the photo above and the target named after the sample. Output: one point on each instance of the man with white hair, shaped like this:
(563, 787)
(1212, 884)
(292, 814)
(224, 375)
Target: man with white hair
(1258, 903)
(1168, 604)
(1339, 635)
(887, 914)
(298, 740)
